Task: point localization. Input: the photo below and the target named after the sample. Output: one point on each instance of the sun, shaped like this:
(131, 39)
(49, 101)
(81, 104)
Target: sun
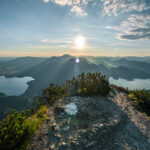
(80, 42)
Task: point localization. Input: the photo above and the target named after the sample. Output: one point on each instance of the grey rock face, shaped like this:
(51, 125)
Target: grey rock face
(101, 123)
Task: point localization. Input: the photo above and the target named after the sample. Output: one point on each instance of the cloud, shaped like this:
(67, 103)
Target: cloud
(136, 27)
(71, 2)
(135, 36)
(46, 1)
(137, 24)
(116, 7)
(62, 2)
(78, 10)
(57, 41)
(76, 6)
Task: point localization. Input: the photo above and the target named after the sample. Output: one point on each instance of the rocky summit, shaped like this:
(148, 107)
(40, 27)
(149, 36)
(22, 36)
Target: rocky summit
(93, 123)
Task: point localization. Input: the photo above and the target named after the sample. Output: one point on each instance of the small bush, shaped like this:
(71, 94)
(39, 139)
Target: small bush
(142, 99)
(51, 93)
(16, 129)
(91, 84)
(13, 130)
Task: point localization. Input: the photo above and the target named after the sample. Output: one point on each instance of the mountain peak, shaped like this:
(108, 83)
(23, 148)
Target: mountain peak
(66, 55)
(94, 124)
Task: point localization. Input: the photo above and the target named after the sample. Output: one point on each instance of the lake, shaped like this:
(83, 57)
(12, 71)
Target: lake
(135, 84)
(14, 86)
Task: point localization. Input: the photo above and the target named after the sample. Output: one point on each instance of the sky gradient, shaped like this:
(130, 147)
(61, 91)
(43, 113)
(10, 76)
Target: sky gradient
(50, 27)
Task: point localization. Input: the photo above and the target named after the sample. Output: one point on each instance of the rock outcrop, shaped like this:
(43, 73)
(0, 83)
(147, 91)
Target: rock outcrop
(101, 123)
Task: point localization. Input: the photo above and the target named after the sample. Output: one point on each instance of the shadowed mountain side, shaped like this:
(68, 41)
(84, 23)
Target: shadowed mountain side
(140, 65)
(46, 65)
(57, 72)
(9, 103)
(72, 69)
(117, 61)
(19, 65)
(44, 74)
(63, 58)
(107, 61)
(6, 59)
(127, 73)
(85, 66)
(100, 123)
(66, 72)
(142, 59)
(110, 66)
(59, 69)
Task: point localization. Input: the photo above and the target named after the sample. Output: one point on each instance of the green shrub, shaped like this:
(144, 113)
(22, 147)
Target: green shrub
(13, 130)
(91, 84)
(142, 99)
(51, 93)
(16, 129)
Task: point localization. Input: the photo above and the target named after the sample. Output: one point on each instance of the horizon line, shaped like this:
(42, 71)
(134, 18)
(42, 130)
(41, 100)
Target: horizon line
(74, 56)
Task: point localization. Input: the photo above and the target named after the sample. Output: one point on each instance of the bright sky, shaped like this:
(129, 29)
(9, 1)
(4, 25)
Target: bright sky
(76, 27)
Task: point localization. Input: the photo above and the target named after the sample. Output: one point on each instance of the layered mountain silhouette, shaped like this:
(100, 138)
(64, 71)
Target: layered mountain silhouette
(59, 69)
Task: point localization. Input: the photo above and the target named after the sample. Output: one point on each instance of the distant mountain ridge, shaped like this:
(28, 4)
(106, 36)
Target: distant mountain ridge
(59, 69)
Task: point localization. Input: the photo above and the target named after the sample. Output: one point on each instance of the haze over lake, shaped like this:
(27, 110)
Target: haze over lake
(135, 84)
(14, 86)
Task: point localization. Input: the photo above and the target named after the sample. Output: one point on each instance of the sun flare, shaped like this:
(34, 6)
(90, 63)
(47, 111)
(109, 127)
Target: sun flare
(80, 42)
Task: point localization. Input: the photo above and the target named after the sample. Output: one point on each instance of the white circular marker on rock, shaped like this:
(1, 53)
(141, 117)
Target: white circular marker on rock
(71, 109)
